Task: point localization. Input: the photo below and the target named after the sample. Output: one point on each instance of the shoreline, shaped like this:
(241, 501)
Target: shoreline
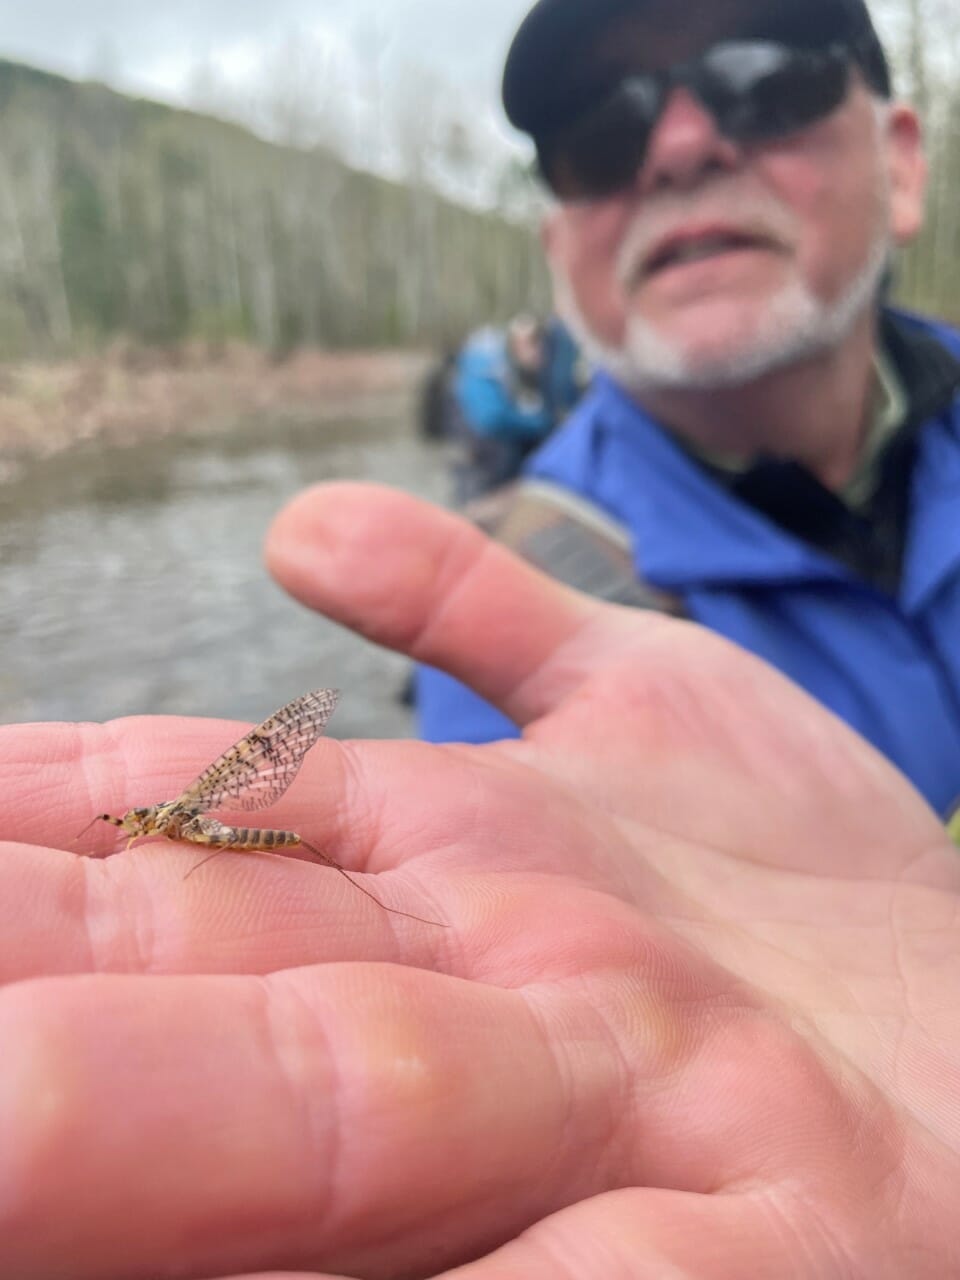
(127, 394)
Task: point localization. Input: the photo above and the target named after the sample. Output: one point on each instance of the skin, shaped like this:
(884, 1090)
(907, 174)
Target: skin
(695, 1013)
(526, 349)
(822, 194)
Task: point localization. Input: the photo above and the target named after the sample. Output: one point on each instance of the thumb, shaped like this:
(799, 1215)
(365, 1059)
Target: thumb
(420, 580)
(686, 727)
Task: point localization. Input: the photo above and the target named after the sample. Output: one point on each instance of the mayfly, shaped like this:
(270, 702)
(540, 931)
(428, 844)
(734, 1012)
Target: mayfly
(251, 774)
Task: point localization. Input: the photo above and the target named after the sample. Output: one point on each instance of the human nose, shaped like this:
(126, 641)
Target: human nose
(684, 146)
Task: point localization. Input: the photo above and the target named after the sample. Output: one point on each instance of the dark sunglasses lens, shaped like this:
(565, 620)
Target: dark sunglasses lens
(760, 90)
(754, 89)
(600, 153)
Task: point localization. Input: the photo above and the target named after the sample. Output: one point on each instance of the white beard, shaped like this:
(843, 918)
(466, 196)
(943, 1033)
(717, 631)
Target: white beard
(796, 326)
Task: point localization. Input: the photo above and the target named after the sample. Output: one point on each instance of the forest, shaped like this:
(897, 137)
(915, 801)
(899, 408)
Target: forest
(126, 217)
(121, 217)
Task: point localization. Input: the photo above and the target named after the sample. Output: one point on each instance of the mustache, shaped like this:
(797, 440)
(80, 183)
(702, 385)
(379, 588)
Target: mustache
(758, 217)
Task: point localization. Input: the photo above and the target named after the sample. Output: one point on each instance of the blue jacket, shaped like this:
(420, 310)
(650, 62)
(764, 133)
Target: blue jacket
(888, 665)
(565, 374)
(489, 396)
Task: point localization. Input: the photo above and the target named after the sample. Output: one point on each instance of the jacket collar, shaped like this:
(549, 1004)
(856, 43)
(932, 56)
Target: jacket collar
(691, 531)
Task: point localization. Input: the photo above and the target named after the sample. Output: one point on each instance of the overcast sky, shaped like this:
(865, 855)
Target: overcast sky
(225, 56)
(155, 46)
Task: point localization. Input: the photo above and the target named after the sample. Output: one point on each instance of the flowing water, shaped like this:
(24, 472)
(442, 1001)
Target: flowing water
(131, 579)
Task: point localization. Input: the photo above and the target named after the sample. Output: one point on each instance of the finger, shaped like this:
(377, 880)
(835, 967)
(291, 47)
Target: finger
(142, 912)
(423, 581)
(651, 1234)
(365, 1119)
(137, 913)
(674, 725)
(363, 804)
(54, 778)
(425, 819)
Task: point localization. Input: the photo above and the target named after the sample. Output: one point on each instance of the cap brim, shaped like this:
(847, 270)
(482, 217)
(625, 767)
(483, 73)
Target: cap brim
(545, 71)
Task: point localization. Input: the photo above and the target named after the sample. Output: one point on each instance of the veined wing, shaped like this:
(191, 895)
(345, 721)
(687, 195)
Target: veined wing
(258, 769)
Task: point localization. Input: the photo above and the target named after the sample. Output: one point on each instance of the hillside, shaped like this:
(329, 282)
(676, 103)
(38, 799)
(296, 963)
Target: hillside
(121, 216)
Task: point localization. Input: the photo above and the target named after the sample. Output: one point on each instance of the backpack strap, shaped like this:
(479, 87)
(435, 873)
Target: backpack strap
(572, 540)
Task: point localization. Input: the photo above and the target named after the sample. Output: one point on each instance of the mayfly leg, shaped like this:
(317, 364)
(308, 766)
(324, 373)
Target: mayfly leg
(203, 862)
(373, 898)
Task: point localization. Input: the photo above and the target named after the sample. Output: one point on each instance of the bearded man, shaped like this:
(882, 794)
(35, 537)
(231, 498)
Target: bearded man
(776, 449)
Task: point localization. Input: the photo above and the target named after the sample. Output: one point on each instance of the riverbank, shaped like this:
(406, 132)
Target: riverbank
(128, 394)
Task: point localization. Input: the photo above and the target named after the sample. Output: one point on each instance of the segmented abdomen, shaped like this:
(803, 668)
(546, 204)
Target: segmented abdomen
(256, 838)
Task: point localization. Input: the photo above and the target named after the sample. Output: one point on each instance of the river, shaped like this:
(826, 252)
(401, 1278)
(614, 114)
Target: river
(131, 579)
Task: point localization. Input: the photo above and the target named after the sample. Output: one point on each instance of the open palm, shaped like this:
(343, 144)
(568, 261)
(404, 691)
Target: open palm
(695, 1012)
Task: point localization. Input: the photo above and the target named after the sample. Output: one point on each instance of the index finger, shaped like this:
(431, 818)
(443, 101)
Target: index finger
(142, 910)
(55, 778)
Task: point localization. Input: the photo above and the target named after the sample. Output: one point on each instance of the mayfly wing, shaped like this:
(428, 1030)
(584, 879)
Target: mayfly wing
(258, 769)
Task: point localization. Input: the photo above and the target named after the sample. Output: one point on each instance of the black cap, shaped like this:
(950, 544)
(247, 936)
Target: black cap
(544, 57)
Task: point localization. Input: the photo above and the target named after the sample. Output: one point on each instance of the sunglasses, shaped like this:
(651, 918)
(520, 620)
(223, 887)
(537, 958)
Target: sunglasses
(755, 90)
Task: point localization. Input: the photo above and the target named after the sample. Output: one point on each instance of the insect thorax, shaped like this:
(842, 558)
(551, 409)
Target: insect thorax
(162, 820)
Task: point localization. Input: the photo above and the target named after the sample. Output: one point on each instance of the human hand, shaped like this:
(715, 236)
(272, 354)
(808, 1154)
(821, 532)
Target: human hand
(695, 1013)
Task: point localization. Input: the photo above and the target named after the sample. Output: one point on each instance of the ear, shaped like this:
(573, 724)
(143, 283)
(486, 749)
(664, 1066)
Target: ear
(907, 167)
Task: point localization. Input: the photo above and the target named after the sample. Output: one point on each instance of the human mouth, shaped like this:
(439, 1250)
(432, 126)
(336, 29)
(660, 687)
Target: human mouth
(685, 247)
